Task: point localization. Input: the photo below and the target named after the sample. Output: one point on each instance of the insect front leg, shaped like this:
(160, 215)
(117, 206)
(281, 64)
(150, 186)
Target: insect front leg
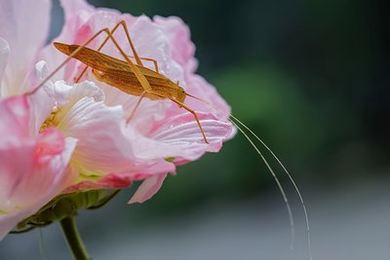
(136, 107)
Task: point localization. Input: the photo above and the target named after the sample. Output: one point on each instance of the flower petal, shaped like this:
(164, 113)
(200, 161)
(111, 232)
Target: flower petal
(15, 119)
(76, 9)
(182, 49)
(181, 138)
(98, 127)
(28, 184)
(42, 104)
(148, 188)
(125, 179)
(102, 146)
(199, 87)
(24, 24)
(49, 143)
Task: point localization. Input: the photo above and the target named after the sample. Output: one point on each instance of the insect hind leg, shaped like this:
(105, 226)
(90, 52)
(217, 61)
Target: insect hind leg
(184, 106)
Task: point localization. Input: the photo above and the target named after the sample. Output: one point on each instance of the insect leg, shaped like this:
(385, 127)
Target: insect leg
(137, 58)
(195, 116)
(136, 106)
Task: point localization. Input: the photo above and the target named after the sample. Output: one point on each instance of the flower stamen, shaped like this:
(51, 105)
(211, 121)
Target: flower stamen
(51, 120)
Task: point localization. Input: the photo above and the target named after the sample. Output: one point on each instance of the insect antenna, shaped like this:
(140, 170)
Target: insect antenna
(241, 126)
(293, 182)
(281, 189)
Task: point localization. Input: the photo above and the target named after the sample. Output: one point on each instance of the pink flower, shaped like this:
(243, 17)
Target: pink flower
(24, 26)
(68, 137)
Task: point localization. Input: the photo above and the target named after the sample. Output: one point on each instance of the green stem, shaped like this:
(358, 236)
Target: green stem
(72, 235)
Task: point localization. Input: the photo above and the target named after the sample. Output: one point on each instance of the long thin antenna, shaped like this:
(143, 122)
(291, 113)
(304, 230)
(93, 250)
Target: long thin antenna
(290, 215)
(290, 178)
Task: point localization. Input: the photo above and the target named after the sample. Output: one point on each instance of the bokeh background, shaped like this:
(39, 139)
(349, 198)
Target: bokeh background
(312, 79)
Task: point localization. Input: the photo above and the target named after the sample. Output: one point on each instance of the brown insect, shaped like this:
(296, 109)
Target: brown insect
(133, 79)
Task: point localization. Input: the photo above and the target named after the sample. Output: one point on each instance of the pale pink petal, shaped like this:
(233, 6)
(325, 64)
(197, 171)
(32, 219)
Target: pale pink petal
(183, 129)
(147, 114)
(28, 183)
(110, 181)
(15, 112)
(34, 169)
(148, 188)
(15, 119)
(24, 24)
(16, 162)
(199, 87)
(182, 49)
(151, 42)
(49, 143)
(42, 104)
(102, 146)
(76, 9)
(180, 137)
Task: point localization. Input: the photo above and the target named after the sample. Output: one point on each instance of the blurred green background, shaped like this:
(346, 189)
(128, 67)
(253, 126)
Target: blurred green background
(309, 77)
